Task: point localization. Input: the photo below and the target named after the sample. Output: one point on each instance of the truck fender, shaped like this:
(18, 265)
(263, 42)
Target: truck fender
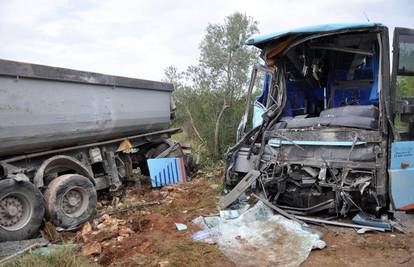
(60, 161)
(19, 177)
(3, 170)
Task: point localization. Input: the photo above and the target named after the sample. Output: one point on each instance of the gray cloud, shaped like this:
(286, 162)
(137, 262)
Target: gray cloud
(140, 38)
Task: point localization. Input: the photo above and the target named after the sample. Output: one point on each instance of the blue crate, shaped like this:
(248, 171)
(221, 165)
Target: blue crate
(166, 171)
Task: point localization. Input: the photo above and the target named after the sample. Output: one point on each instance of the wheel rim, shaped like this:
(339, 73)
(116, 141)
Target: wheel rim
(74, 202)
(15, 211)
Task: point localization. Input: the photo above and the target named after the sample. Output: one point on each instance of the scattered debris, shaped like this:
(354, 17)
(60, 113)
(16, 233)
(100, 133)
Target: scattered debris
(404, 260)
(364, 219)
(235, 193)
(125, 231)
(207, 221)
(129, 208)
(180, 226)
(90, 249)
(163, 263)
(102, 229)
(115, 201)
(364, 230)
(279, 210)
(334, 223)
(86, 229)
(319, 244)
(302, 219)
(229, 214)
(204, 235)
(281, 241)
(49, 232)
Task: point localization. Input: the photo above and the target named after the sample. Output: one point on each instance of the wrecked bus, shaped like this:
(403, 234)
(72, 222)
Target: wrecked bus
(65, 134)
(332, 128)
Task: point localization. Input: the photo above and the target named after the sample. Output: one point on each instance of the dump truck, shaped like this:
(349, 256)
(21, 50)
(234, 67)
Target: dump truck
(66, 134)
(332, 127)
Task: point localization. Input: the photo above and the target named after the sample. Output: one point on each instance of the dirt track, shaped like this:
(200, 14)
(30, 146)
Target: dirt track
(347, 248)
(156, 242)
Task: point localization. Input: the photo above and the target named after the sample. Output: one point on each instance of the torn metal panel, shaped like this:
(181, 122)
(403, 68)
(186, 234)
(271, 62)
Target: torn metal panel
(259, 41)
(277, 143)
(244, 183)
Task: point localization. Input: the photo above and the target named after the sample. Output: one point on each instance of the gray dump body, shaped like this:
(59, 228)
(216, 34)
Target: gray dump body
(44, 107)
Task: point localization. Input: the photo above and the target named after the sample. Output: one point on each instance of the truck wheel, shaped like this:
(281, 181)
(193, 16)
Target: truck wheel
(70, 200)
(21, 210)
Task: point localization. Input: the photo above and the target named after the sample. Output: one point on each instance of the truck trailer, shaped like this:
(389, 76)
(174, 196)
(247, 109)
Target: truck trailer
(333, 125)
(65, 134)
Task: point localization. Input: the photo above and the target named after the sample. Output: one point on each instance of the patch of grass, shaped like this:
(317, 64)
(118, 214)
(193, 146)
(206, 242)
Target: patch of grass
(64, 257)
(220, 188)
(186, 252)
(144, 260)
(138, 260)
(181, 137)
(178, 253)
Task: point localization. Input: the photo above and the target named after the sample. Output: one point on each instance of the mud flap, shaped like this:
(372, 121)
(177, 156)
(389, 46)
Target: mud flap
(401, 175)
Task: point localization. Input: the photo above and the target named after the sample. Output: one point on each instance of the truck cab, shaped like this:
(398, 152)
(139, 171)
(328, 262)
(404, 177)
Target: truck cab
(333, 126)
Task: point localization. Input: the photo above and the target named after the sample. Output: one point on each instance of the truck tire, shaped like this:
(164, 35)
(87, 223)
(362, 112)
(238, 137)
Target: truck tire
(70, 200)
(21, 210)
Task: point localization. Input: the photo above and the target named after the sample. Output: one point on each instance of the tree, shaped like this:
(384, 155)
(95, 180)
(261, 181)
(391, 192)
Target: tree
(181, 98)
(405, 86)
(227, 60)
(209, 96)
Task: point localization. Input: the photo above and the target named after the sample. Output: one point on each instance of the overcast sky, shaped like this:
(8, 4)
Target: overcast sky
(139, 38)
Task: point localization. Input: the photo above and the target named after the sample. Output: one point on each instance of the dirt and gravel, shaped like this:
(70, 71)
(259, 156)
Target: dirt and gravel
(148, 236)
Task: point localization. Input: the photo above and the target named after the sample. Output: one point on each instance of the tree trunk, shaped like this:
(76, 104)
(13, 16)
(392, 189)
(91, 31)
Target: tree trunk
(226, 105)
(193, 126)
(217, 130)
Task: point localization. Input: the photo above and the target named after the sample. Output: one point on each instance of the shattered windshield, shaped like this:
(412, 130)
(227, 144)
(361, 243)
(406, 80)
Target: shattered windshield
(331, 73)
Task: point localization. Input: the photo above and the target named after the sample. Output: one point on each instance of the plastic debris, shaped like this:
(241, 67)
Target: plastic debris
(206, 222)
(180, 226)
(364, 219)
(229, 214)
(201, 235)
(319, 244)
(281, 241)
(90, 249)
(363, 230)
(204, 235)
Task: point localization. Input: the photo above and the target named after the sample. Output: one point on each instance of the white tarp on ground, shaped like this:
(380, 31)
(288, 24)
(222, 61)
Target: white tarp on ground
(261, 238)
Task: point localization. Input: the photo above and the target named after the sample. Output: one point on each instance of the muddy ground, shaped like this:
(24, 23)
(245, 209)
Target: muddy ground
(149, 237)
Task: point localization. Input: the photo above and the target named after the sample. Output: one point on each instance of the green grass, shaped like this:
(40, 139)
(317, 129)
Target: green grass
(177, 253)
(64, 257)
